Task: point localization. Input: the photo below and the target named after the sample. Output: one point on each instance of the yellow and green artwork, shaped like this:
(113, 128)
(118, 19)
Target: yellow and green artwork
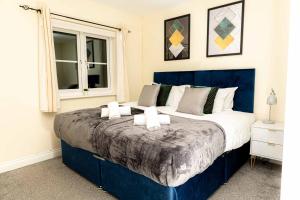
(225, 30)
(177, 38)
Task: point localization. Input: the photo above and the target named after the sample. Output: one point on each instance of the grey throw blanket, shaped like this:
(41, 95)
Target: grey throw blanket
(169, 156)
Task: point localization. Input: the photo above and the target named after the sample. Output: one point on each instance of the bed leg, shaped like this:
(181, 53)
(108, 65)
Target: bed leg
(252, 161)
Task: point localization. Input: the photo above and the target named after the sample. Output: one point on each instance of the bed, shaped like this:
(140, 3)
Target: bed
(127, 184)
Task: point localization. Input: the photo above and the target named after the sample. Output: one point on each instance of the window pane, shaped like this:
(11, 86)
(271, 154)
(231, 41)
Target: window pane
(96, 50)
(97, 76)
(67, 75)
(65, 46)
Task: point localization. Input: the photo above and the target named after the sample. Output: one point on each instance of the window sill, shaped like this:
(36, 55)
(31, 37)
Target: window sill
(81, 96)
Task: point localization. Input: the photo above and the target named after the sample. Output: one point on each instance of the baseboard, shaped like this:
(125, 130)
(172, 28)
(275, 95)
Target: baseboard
(29, 160)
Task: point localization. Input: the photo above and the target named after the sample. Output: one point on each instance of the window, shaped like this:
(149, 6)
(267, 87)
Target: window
(66, 60)
(97, 62)
(83, 60)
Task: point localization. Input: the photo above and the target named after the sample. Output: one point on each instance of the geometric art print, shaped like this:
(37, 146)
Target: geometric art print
(177, 38)
(225, 30)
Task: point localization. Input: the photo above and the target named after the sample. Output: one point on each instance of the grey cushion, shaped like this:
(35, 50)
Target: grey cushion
(149, 95)
(193, 101)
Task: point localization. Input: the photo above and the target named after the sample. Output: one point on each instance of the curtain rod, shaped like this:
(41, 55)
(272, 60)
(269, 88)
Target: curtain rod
(26, 7)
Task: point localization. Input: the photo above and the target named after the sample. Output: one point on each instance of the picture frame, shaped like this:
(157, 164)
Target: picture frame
(225, 30)
(177, 38)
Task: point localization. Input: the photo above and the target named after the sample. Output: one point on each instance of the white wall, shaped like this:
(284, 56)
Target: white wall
(24, 130)
(291, 161)
(265, 46)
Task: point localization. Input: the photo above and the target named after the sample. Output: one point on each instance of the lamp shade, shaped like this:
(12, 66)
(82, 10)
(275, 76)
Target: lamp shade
(272, 99)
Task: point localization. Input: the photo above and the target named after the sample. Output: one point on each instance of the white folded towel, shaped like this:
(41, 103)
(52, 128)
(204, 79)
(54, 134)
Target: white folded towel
(152, 122)
(164, 119)
(140, 119)
(104, 112)
(124, 110)
(114, 111)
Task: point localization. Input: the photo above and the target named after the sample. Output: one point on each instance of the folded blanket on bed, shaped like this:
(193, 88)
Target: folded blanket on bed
(169, 156)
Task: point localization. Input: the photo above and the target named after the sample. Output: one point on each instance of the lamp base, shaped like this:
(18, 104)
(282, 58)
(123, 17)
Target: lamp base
(268, 122)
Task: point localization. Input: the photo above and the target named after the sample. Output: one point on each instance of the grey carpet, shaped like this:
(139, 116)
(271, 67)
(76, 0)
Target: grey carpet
(51, 180)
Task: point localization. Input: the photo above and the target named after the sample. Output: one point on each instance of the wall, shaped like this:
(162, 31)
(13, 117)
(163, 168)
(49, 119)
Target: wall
(291, 166)
(265, 46)
(24, 130)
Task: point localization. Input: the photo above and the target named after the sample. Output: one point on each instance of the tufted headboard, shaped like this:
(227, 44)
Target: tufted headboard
(244, 79)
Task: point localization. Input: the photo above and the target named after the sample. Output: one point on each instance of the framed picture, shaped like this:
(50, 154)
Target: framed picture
(225, 30)
(177, 38)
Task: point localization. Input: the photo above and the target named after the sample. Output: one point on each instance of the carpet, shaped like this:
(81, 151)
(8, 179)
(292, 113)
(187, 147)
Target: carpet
(52, 180)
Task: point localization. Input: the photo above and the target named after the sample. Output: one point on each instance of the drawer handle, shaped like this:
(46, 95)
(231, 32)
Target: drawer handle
(271, 144)
(99, 158)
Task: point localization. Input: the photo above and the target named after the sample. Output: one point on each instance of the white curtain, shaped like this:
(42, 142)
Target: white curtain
(122, 79)
(48, 87)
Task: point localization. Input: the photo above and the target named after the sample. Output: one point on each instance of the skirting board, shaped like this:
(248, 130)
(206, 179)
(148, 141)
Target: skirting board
(29, 160)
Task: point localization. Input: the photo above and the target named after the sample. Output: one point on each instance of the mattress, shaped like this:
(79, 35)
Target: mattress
(237, 125)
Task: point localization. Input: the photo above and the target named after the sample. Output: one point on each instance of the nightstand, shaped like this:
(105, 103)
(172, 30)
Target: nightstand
(266, 141)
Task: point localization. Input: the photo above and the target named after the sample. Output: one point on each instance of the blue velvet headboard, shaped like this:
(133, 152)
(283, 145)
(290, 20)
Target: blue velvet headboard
(244, 79)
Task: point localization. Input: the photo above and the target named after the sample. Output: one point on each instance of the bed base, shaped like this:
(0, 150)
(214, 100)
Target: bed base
(125, 184)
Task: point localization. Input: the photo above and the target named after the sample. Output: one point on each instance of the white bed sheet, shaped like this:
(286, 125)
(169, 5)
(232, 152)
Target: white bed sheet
(237, 125)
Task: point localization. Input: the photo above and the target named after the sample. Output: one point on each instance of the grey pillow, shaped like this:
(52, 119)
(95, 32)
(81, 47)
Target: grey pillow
(193, 101)
(149, 95)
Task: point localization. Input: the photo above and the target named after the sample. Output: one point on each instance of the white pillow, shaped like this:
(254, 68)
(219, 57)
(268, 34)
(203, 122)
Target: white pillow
(228, 104)
(219, 101)
(175, 95)
(224, 99)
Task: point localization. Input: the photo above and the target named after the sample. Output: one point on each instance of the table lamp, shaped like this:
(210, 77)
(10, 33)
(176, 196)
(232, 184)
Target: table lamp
(272, 100)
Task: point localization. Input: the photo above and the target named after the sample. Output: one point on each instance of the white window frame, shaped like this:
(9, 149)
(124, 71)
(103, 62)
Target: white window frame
(95, 91)
(82, 31)
(72, 92)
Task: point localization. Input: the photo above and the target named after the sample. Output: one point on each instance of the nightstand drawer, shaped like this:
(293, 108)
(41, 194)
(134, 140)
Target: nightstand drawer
(268, 150)
(267, 135)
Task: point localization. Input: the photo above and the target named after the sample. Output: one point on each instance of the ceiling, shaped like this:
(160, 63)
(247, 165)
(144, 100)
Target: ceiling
(141, 6)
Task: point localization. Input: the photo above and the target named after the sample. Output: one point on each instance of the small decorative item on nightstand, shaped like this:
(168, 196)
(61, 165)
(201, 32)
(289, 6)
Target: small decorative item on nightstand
(266, 141)
(272, 100)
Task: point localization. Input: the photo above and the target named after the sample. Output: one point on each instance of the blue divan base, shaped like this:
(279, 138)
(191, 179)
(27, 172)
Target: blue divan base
(128, 185)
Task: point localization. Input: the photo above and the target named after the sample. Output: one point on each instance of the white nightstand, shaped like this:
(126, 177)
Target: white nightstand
(266, 141)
